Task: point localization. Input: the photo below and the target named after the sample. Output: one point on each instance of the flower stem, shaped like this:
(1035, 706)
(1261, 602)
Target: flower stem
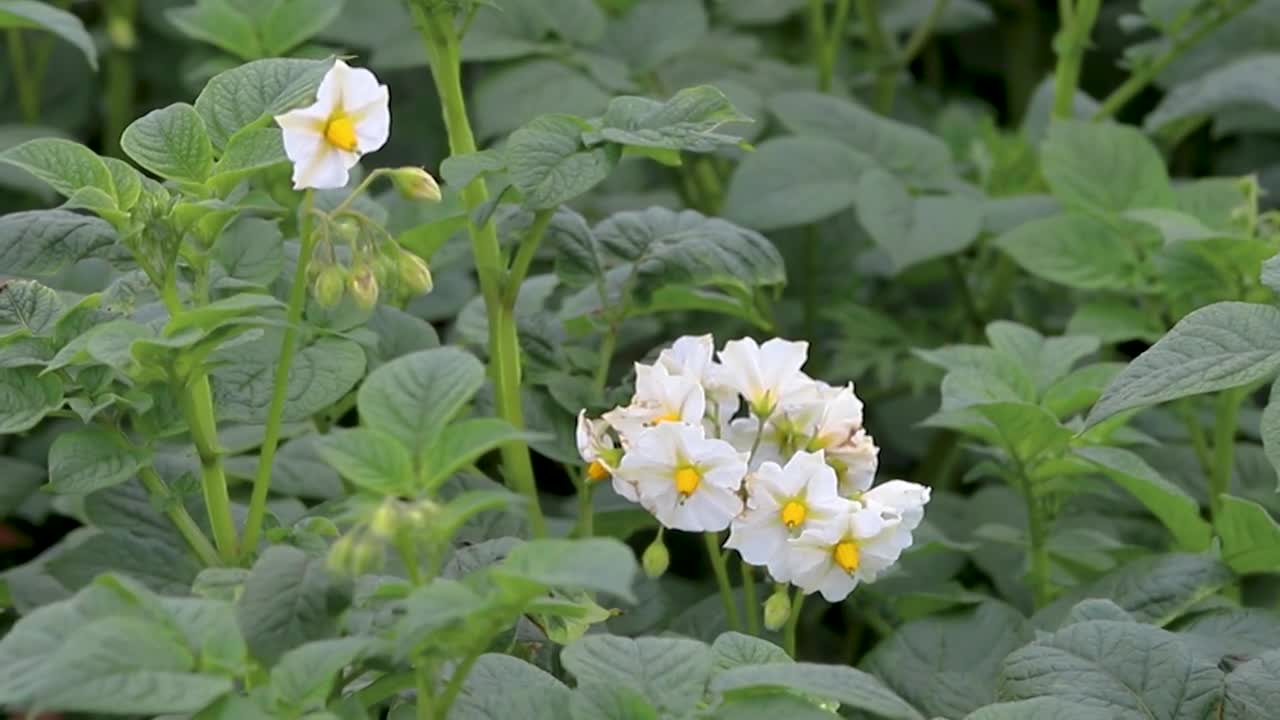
(586, 511)
(712, 541)
(181, 519)
(1077, 18)
(443, 53)
(749, 598)
(1226, 420)
(525, 254)
(881, 46)
(793, 621)
(280, 387)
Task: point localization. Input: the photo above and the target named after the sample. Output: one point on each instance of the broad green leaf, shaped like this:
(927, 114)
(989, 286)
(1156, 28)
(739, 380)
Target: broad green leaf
(371, 459)
(550, 166)
(957, 16)
(160, 561)
(1112, 321)
(323, 372)
(961, 653)
(1269, 427)
(671, 673)
(506, 100)
(852, 688)
(289, 599)
(1102, 167)
(1127, 670)
(733, 649)
(688, 121)
(1079, 389)
(28, 307)
(913, 155)
(501, 687)
(581, 22)
(127, 181)
(251, 251)
(433, 610)
(1251, 690)
(1250, 536)
(303, 678)
(771, 706)
(219, 313)
(1243, 632)
(248, 151)
(793, 181)
(460, 170)
(89, 459)
(1253, 82)
(1155, 589)
(66, 166)
(413, 398)
(26, 397)
(595, 564)
(1176, 510)
(609, 702)
(297, 470)
(1224, 345)
(655, 31)
(219, 23)
(579, 257)
(461, 444)
(35, 15)
(912, 230)
(1077, 250)
(292, 22)
(252, 93)
(1025, 431)
(1041, 708)
(170, 142)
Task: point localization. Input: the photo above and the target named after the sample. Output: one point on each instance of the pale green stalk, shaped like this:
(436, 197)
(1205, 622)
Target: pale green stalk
(1077, 19)
(181, 519)
(718, 566)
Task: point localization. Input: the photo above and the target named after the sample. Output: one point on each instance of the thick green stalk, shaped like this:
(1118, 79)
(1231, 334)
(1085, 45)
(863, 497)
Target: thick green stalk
(524, 256)
(607, 345)
(1226, 420)
(718, 566)
(181, 519)
(1077, 25)
(749, 598)
(793, 622)
(586, 512)
(24, 80)
(1037, 538)
(120, 81)
(504, 346)
(280, 387)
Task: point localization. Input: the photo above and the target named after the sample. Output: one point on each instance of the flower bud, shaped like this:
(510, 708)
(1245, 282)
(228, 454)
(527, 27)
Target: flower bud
(415, 275)
(421, 514)
(367, 556)
(330, 286)
(777, 609)
(347, 229)
(364, 288)
(416, 184)
(385, 522)
(656, 559)
(340, 554)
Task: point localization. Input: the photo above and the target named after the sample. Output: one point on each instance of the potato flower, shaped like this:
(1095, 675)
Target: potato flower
(687, 480)
(693, 356)
(349, 118)
(767, 374)
(660, 397)
(833, 557)
(602, 455)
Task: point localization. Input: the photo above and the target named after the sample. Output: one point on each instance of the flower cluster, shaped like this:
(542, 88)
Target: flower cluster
(752, 444)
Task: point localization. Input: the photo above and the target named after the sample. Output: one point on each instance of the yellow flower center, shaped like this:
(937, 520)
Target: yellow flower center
(793, 514)
(846, 555)
(340, 131)
(687, 480)
(669, 417)
(596, 471)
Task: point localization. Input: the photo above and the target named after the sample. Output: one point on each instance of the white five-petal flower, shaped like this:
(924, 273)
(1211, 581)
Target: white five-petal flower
(687, 480)
(660, 397)
(764, 374)
(855, 462)
(693, 356)
(349, 118)
(781, 503)
(856, 546)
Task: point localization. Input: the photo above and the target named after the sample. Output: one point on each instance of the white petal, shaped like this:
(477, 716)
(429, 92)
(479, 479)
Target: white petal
(758, 537)
(780, 362)
(325, 169)
(373, 126)
(866, 523)
(837, 585)
(625, 488)
(689, 355)
(333, 86)
(360, 90)
(713, 508)
(740, 363)
(907, 498)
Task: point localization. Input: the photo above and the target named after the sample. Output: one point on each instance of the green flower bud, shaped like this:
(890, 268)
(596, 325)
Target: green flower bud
(656, 559)
(330, 285)
(347, 229)
(777, 609)
(421, 515)
(415, 275)
(367, 556)
(385, 522)
(364, 288)
(340, 555)
(416, 184)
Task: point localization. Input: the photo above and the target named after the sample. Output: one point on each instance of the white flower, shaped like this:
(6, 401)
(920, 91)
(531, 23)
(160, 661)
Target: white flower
(597, 448)
(781, 503)
(660, 397)
(856, 546)
(742, 433)
(906, 498)
(688, 481)
(832, 418)
(764, 374)
(692, 356)
(350, 117)
(855, 462)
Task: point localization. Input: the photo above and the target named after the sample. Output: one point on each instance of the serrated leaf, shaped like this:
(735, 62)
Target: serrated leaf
(289, 599)
(66, 166)
(1104, 167)
(852, 688)
(171, 142)
(687, 121)
(595, 564)
(89, 459)
(251, 93)
(912, 230)
(793, 181)
(550, 166)
(43, 16)
(412, 398)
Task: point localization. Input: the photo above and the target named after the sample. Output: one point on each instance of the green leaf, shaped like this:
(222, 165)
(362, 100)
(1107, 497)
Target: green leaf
(1250, 82)
(431, 612)
(292, 22)
(1104, 167)
(251, 250)
(171, 142)
(793, 181)
(1041, 708)
(671, 673)
(687, 121)
(28, 307)
(960, 652)
(655, 31)
(852, 688)
(1176, 510)
(39, 243)
(460, 170)
(371, 459)
(1246, 632)
(89, 459)
(32, 14)
(289, 599)
(303, 678)
(1126, 670)
(595, 564)
(914, 230)
(461, 444)
(913, 155)
(1113, 321)
(1250, 536)
(1025, 431)
(323, 372)
(1251, 690)
(733, 649)
(26, 397)
(772, 706)
(252, 93)
(1224, 345)
(508, 99)
(66, 166)
(249, 151)
(501, 687)
(1077, 250)
(1079, 389)
(219, 23)
(549, 165)
(413, 398)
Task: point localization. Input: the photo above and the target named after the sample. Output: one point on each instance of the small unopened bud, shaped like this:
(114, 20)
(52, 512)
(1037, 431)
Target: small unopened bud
(421, 514)
(656, 559)
(340, 554)
(348, 230)
(416, 184)
(415, 275)
(777, 609)
(367, 556)
(386, 521)
(330, 286)
(364, 288)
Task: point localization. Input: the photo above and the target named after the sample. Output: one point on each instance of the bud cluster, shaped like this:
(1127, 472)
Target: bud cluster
(378, 265)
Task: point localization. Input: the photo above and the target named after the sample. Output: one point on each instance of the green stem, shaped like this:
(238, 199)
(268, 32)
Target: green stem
(586, 512)
(120, 82)
(818, 41)
(525, 254)
(204, 434)
(1077, 25)
(181, 519)
(1149, 71)
(1037, 535)
(793, 622)
(280, 389)
(409, 556)
(881, 47)
(426, 691)
(1226, 419)
(1186, 410)
(749, 598)
(712, 541)
(444, 56)
(456, 680)
(385, 688)
(920, 36)
(23, 79)
(607, 346)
